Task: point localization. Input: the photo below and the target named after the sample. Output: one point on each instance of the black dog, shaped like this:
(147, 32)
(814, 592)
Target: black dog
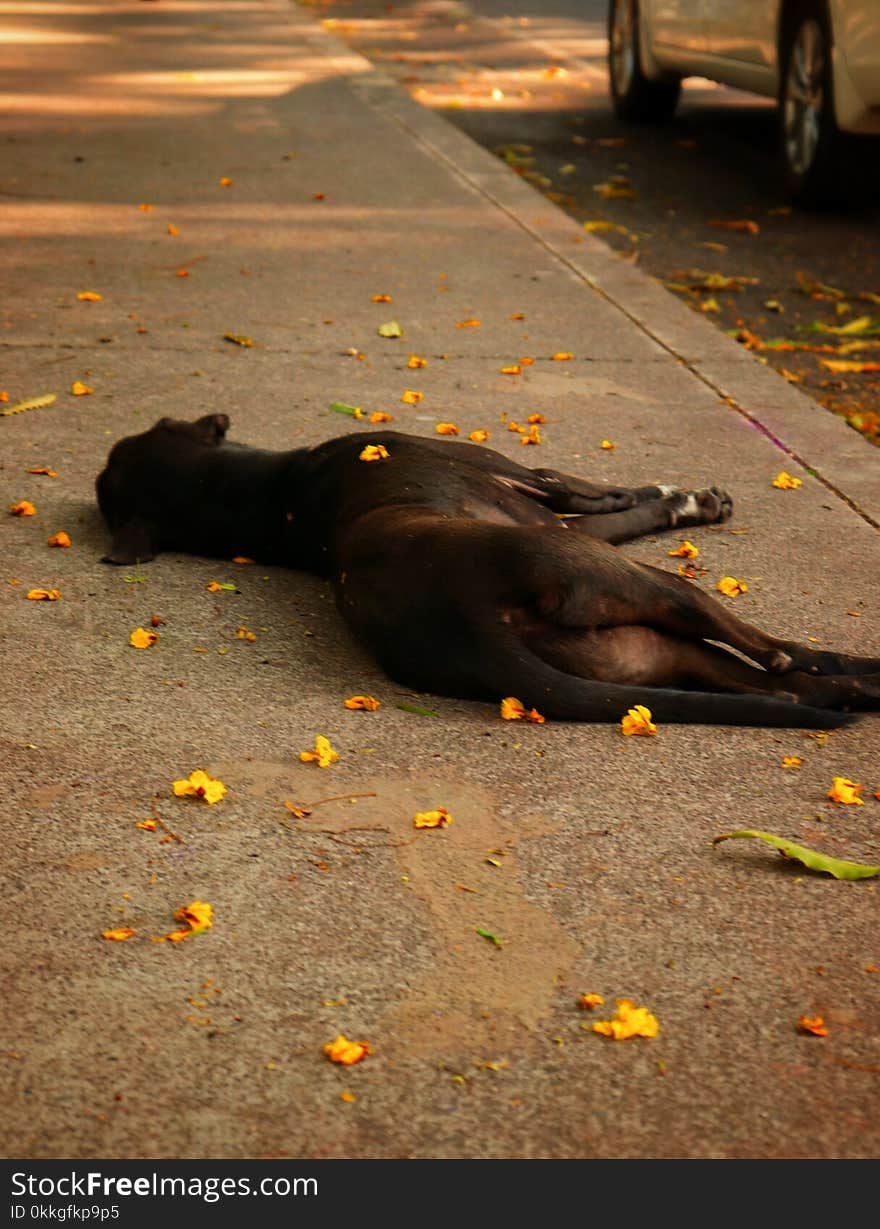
(469, 575)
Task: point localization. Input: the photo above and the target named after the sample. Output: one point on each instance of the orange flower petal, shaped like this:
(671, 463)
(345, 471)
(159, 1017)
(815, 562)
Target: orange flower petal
(847, 792)
(24, 507)
(687, 550)
(119, 935)
(628, 1021)
(89, 296)
(43, 595)
(814, 1025)
(366, 703)
(140, 638)
(638, 721)
(78, 389)
(374, 452)
(731, 587)
(411, 397)
(446, 428)
(480, 436)
(341, 1050)
(432, 819)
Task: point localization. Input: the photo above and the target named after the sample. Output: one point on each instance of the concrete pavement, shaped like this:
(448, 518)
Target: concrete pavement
(589, 855)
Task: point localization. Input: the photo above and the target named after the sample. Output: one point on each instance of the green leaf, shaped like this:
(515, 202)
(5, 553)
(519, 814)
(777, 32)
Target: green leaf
(29, 403)
(342, 407)
(811, 859)
(419, 712)
(391, 329)
(488, 934)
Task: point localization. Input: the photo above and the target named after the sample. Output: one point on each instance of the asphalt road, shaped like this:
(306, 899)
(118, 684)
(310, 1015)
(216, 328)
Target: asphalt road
(528, 80)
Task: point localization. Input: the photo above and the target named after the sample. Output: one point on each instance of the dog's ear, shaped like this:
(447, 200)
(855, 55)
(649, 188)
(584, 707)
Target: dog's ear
(133, 542)
(213, 427)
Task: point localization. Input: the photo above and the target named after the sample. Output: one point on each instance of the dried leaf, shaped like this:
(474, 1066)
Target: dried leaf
(809, 857)
(44, 470)
(841, 365)
(618, 188)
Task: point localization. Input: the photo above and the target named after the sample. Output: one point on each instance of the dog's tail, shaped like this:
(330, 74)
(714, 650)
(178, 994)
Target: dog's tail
(567, 697)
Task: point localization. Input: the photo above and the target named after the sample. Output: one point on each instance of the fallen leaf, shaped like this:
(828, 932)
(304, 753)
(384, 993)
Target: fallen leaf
(638, 721)
(342, 407)
(786, 482)
(43, 595)
(199, 785)
(239, 339)
(140, 638)
(710, 305)
(24, 507)
(415, 708)
(488, 934)
(817, 290)
(814, 1025)
(773, 305)
(446, 428)
(374, 452)
(390, 329)
(628, 1021)
(686, 550)
(731, 587)
(119, 935)
(411, 397)
(846, 792)
(513, 709)
(323, 754)
(365, 703)
(341, 1050)
(214, 586)
(432, 819)
(79, 389)
(809, 857)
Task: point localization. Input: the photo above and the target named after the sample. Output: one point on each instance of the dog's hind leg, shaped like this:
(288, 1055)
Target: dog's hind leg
(674, 509)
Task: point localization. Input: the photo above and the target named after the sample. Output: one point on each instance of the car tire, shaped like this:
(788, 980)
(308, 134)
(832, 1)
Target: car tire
(635, 97)
(811, 143)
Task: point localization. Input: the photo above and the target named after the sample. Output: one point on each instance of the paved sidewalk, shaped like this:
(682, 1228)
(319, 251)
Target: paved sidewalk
(214, 170)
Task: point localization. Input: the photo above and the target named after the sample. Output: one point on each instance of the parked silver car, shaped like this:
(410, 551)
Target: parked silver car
(819, 58)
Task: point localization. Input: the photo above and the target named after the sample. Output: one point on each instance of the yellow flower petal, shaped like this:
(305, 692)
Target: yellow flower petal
(24, 507)
(480, 436)
(119, 935)
(607, 445)
(786, 482)
(80, 390)
(367, 703)
(731, 587)
(374, 452)
(561, 356)
(89, 296)
(380, 416)
(446, 428)
(43, 595)
(432, 819)
(638, 721)
(589, 1001)
(323, 754)
(628, 1021)
(846, 791)
(416, 360)
(513, 709)
(346, 1052)
(140, 638)
(533, 436)
(687, 550)
(199, 785)
(411, 397)
(791, 761)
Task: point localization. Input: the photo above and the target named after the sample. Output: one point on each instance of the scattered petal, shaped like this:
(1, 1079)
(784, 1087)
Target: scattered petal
(746, 224)
(432, 819)
(415, 360)
(814, 1025)
(480, 436)
(79, 389)
(514, 370)
(608, 445)
(616, 189)
(533, 436)
(786, 482)
(380, 416)
(145, 208)
(239, 339)
(148, 825)
(323, 754)
(390, 329)
(242, 633)
(43, 595)
(119, 935)
(172, 229)
(731, 587)
(638, 721)
(140, 638)
(850, 365)
(225, 182)
(589, 1001)
(514, 710)
(535, 418)
(381, 298)
(710, 305)
(89, 296)
(791, 761)
(214, 586)
(561, 356)
(687, 550)
(348, 1097)
(374, 452)
(59, 539)
(847, 792)
(628, 1021)
(468, 324)
(198, 916)
(43, 469)
(411, 397)
(446, 428)
(366, 703)
(24, 507)
(347, 1052)
(182, 273)
(199, 785)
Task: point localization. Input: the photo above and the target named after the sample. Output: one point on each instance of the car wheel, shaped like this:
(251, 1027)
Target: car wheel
(811, 142)
(634, 96)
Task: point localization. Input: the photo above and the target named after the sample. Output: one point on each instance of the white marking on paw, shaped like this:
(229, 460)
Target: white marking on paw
(666, 491)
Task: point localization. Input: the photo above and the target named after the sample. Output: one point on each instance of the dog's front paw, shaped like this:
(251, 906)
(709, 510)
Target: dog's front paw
(710, 506)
